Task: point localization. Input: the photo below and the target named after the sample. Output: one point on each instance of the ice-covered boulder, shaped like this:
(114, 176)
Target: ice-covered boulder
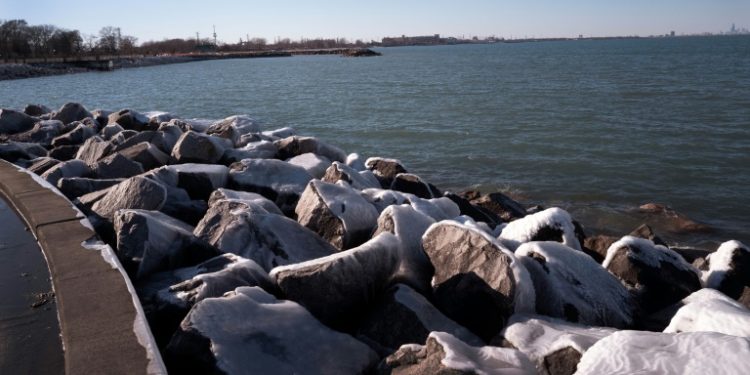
(156, 118)
(708, 310)
(553, 345)
(358, 180)
(76, 136)
(136, 193)
(501, 205)
(147, 155)
(71, 168)
(221, 194)
(241, 124)
(253, 150)
(294, 145)
(655, 275)
(129, 120)
(198, 180)
(193, 147)
(406, 223)
(269, 239)
(477, 282)
(728, 269)
(116, 166)
(552, 224)
(315, 165)
(249, 331)
(70, 112)
(280, 133)
(277, 180)
(12, 122)
(385, 169)
(413, 184)
(150, 241)
(436, 208)
(403, 316)
(339, 289)
(688, 353)
(443, 353)
(355, 161)
(73, 187)
(337, 213)
(571, 285)
(170, 134)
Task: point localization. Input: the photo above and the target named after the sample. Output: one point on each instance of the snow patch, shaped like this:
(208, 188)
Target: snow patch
(709, 310)
(720, 262)
(524, 229)
(647, 253)
(481, 360)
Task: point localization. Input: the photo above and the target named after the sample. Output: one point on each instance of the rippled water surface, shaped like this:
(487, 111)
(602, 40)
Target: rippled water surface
(598, 127)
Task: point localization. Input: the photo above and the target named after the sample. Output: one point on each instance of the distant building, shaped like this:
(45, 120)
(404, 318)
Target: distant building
(413, 40)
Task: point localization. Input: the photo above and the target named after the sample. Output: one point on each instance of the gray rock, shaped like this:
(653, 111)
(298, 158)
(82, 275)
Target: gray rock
(116, 166)
(475, 212)
(147, 155)
(12, 152)
(337, 213)
(74, 187)
(445, 354)
(501, 205)
(254, 150)
(75, 137)
(129, 120)
(42, 133)
(72, 168)
(150, 241)
(293, 146)
(170, 134)
(70, 112)
(195, 147)
(385, 169)
(278, 181)
(314, 164)
(413, 184)
(133, 193)
(42, 164)
(250, 331)
(244, 197)
(153, 137)
(101, 116)
(477, 282)
(358, 180)
(36, 109)
(12, 122)
(111, 130)
(93, 150)
(198, 180)
(340, 288)
(64, 153)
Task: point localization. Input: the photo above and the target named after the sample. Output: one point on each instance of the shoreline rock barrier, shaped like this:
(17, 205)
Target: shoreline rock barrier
(265, 249)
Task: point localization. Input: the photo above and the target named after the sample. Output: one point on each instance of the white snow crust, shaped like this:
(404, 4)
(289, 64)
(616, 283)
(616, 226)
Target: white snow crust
(315, 165)
(523, 230)
(719, 262)
(481, 360)
(708, 310)
(648, 253)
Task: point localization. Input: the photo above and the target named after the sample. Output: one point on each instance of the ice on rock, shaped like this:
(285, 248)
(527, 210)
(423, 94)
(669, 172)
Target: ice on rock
(355, 162)
(280, 133)
(71, 168)
(358, 180)
(406, 223)
(277, 180)
(728, 269)
(337, 213)
(295, 145)
(709, 310)
(249, 331)
(443, 353)
(198, 180)
(436, 208)
(688, 353)
(245, 197)
(553, 224)
(571, 285)
(385, 169)
(315, 165)
(553, 345)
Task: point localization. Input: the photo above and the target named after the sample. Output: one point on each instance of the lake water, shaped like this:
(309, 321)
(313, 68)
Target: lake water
(597, 127)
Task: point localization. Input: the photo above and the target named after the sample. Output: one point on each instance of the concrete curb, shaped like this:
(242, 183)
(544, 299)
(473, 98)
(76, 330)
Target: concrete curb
(103, 328)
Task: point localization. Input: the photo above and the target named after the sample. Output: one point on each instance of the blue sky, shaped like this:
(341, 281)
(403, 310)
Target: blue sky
(158, 19)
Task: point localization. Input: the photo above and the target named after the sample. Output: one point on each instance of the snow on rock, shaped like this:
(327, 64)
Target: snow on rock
(281, 133)
(277, 180)
(158, 117)
(553, 224)
(136, 193)
(436, 208)
(243, 124)
(71, 168)
(358, 180)
(688, 353)
(407, 224)
(413, 184)
(193, 147)
(150, 241)
(249, 331)
(571, 285)
(443, 353)
(295, 145)
(339, 289)
(385, 169)
(656, 275)
(553, 345)
(253, 150)
(337, 213)
(243, 196)
(708, 310)
(728, 269)
(404, 316)
(315, 165)
(355, 162)
(199, 180)
(477, 282)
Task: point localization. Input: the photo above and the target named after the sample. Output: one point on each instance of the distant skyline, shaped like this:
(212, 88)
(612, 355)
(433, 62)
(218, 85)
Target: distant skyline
(160, 19)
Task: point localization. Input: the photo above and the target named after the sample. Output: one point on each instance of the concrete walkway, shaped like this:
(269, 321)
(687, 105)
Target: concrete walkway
(101, 321)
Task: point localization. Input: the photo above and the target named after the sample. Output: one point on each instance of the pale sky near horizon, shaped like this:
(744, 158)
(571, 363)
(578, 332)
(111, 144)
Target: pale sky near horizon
(160, 19)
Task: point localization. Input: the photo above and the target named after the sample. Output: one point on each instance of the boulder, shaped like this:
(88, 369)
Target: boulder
(631, 352)
(268, 239)
(355, 162)
(64, 153)
(672, 220)
(240, 124)
(72, 168)
(358, 180)
(473, 211)
(337, 213)
(340, 288)
(36, 109)
(655, 275)
(404, 316)
(133, 193)
(385, 169)
(413, 184)
(708, 310)
(571, 285)
(154, 138)
(221, 194)
(12, 152)
(150, 241)
(728, 269)
(249, 331)
(42, 133)
(198, 180)
(407, 224)
(74, 187)
(314, 164)
(116, 166)
(12, 122)
(553, 345)
(101, 116)
(42, 164)
(111, 130)
(646, 232)
(170, 134)
(147, 155)
(552, 224)
(156, 118)
(596, 246)
(75, 137)
(70, 112)
(477, 282)
(501, 205)
(93, 150)
(129, 120)
(293, 146)
(278, 181)
(253, 150)
(443, 353)
(195, 147)
(437, 208)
